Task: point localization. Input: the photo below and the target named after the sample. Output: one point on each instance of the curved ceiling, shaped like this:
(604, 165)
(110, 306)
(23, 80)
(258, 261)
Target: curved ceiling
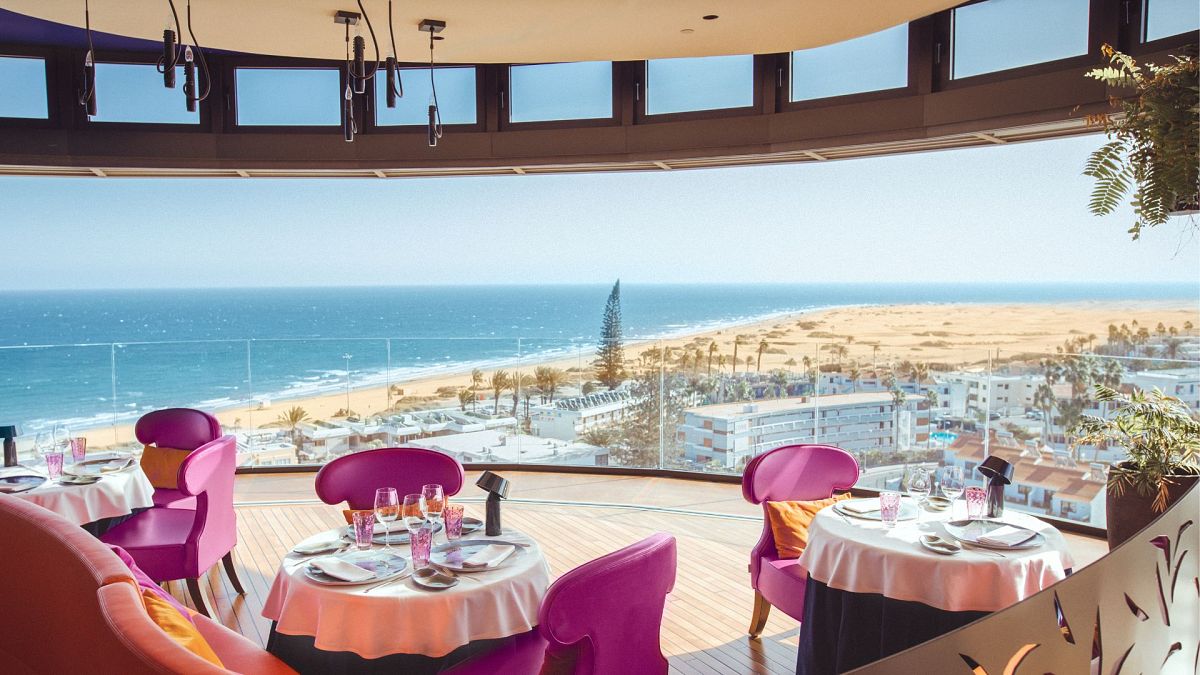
(505, 31)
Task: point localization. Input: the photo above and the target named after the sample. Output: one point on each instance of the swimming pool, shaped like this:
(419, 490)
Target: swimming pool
(943, 437)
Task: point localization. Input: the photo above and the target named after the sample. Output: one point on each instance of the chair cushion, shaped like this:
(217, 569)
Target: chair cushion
(523, 655)
(782, 583)
(238, 653)
(790, 521)
(178, 627)
(173, 499)
(161, 465)
(145, 583)
(156, 540)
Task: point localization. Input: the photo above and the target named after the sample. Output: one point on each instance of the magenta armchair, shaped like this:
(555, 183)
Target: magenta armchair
(788, 473)
(602, 617)
(183, 543)
(182, 429)
(354, 478)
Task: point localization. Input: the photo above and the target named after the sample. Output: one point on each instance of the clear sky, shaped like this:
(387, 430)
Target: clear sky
(1000, 213)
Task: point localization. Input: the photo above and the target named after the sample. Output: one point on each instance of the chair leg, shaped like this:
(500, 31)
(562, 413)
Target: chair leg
(762, 609)
(227, 561)
(198, 597)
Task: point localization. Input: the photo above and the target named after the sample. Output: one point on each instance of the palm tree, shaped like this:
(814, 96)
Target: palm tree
(779, 379)
(721, 362)
(838, 352)
(1160, 329)
(523, 386)
(712, 350)
(465, 396)
(476, 383)
(1091, 338)
(920, 373)
(855, 373)
(737, 340)
(1044, 400)
(1171, 347)
(548, 381)
(1188, 326)
(791, 363)
(762, 347)
(291, 419)
(498, 383)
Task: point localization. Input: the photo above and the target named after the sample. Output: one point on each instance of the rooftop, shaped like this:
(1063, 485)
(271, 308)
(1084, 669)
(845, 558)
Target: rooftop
(781, 405)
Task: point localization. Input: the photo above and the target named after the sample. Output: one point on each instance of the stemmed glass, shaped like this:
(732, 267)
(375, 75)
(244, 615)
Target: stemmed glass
(918, 487)
(435, 501)
(952, 484)
(413, 512)
(387, 510)
(62, 438)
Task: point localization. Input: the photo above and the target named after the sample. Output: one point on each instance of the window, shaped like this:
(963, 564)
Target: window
(288, 97)
(868, 63)
(1165, 18)
(23, 81)
(455, 90)
(560, 91)
(704, 83)
(1002, 34)
(134, 92)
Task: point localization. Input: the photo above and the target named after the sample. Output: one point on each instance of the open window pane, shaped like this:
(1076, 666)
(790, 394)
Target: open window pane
(455, 90)
(1002, 34)
(288, 97)
(560, 91)
(1165, 18)
(704, 83)
(868, 63)
(134, 92)
(23, 87)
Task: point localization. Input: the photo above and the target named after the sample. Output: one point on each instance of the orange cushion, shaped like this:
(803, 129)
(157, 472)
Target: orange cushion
(790, 521)
(161, 465)
(349, 514)
(178, 628)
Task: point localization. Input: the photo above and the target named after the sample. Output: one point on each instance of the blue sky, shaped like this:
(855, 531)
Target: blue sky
(1000, 213)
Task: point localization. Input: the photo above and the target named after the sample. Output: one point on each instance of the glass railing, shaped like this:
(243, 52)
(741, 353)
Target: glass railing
(704, 404)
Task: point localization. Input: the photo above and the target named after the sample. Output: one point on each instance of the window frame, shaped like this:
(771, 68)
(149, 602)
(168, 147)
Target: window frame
(505, 103)
(145, 59)
(49, 60)
(641, 96)
(1137, 25)
(913, 56)
(370, 104)
(273, 63)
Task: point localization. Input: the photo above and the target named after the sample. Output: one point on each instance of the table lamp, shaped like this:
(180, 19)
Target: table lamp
(9, 434)
(497, 489)
(999, 473)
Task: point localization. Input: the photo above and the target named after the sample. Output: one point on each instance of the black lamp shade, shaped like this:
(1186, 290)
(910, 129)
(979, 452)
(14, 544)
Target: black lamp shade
(9, 431)
(494, 484)
(997, 470)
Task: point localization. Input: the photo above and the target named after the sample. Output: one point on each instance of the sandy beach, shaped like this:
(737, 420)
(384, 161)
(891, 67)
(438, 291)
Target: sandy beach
(956, 335)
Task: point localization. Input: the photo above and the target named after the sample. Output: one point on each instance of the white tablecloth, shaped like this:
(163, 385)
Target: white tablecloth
(401, 618)
(862, 556)
(116, 494)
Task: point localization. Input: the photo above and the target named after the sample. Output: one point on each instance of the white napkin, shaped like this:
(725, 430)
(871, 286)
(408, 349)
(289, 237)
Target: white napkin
(861, 505)
(488, 556)
(316, 546)
(7, 471)
(1006, 536)
(340, 569)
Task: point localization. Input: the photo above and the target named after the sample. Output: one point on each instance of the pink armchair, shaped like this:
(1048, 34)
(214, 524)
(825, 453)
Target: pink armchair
(354, 478)
(182, 429)
(173, 542)
(788, 473)
(604, 616)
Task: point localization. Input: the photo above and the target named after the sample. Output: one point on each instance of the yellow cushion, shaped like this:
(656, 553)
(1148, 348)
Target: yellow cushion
(161, 465)
(178, 628)
(349, 514)
(790, 521)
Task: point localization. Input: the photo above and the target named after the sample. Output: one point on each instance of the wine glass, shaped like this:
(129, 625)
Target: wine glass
(387, 510)
(918, 487)
(62, 438)
(952, 484)
(435, 501)
(412, 510)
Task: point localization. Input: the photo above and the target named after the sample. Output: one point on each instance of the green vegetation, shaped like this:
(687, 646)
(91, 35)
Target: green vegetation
(610, 355)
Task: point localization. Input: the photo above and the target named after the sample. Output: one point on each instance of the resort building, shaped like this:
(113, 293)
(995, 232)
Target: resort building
(1182, 383)
(975, 392)
(569, 418)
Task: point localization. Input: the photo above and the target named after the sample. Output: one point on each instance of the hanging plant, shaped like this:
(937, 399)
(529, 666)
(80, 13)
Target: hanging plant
(1154, 139)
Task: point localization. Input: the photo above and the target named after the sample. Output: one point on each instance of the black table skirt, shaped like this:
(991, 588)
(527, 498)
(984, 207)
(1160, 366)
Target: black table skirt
(842, 630)
(299, 652)
(99, 527)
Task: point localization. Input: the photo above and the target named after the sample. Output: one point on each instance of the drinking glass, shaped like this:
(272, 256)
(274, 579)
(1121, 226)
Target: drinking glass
(364, 529)
(51, 452)
(952, 484)
(889, 507)
(422, 542)
(453, 514)
(918, 487)
(976, 502)
(435, 501)
(387, 510)
(78, 448)
(62, 438)
(412, 510)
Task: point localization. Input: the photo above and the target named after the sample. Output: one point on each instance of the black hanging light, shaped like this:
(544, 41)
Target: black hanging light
(87, 96)
(395, 86)
(170, 57)
(191, 90)
(349, 125)
(433, 26)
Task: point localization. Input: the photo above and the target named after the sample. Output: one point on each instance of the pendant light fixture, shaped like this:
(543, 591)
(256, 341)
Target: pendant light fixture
(349, 124)
(87, 96)
(170, 57)
(191, 90)
(395, 86)
(433, 26)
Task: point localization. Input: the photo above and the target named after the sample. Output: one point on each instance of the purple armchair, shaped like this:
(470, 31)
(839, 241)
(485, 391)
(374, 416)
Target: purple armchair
(179, 542)
(354, 478)
(604, 616)
(182, 429)
(788, 473)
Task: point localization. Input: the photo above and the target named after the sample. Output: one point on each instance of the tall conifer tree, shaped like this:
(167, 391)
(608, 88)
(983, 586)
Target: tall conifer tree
(610, 355)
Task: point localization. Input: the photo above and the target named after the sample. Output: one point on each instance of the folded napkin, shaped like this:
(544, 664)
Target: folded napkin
(317, 546)
(340, 569)
(18, 470)
(860, 505)
(1006, 536)
(488, 556)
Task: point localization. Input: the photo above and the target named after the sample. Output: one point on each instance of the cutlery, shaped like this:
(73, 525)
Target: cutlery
(401, 577)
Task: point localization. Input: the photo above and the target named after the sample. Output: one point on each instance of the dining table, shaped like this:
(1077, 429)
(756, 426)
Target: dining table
(399, 625)
(98, 506)
(874, 590)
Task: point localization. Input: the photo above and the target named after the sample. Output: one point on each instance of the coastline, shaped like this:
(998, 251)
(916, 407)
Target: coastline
(957, 334)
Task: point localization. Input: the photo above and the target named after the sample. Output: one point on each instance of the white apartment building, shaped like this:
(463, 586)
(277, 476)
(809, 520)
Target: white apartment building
(972, 392)
(730, 433)
(1182, 383)
(569, 418)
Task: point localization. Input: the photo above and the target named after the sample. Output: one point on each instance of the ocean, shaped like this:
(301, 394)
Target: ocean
(90, 358)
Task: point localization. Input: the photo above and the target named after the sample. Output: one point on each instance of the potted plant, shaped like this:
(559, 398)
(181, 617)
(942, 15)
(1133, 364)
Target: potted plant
(1162, 438)
(1154, 139)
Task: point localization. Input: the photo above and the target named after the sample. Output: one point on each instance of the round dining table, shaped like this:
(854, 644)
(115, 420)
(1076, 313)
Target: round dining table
(96, 507)
(399, 626)
(873, 591)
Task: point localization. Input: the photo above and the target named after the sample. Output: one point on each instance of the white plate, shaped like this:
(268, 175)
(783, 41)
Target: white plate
(969, 531)
(90, 479)
(100, 467)
(368, 560)
(940, 550)
(451, 555)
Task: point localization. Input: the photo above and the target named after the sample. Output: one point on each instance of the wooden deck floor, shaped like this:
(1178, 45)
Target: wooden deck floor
(704, 628)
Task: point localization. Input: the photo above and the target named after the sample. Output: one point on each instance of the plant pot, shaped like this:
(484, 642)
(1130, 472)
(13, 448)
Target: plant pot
(1132, 511)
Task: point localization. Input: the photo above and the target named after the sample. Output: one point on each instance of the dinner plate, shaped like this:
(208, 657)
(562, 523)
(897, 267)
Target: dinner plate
(969, 531)
(397, 566)
(470, 525)
(13, 484)
(908, 511)
(451, 555)
(939, 549)
(434, 579)
(79, 480)
(99, 467)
